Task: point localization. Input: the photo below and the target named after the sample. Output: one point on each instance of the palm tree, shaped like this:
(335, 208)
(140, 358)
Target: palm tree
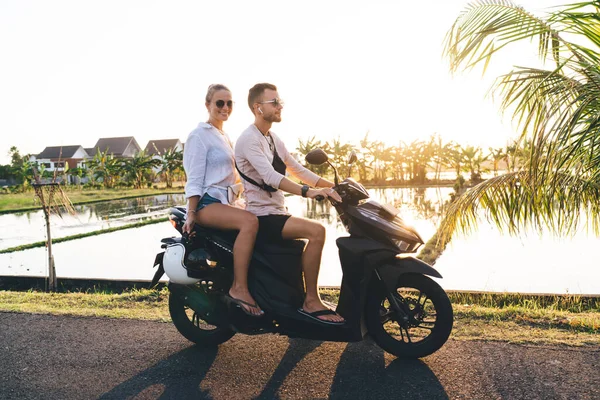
(397, 164)
(171, 163)
(306, 147)
(138, 166)
(340, 152)
(437, 151)
(452, 157)
(421, 156)
(380, 158)
(496, 155)
(365, 159)
(473, 158)
(556, 105)
(105, 166)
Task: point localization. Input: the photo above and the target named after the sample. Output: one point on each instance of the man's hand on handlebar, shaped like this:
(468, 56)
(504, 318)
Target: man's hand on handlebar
(325, 193)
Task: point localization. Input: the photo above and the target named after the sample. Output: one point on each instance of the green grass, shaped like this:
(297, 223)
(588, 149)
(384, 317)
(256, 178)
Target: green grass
(28, 201)
(134, 304)
(565, 320)
(548, 303)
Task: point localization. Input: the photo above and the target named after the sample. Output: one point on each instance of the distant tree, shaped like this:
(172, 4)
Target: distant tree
(106, 167)
(21, 168)
(340, 152)
(305, 147)
(16, 160)
(78, 173)
(418, 155)
(171, 164)
(453, 158)
(437, 154)
(397, 164)
(5, 172)
(138, 166)
(473, 158)
(365, 158)
(496, 155)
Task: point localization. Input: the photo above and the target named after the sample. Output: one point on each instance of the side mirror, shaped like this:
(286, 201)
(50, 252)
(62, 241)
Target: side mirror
(316, 157)
(352, 158)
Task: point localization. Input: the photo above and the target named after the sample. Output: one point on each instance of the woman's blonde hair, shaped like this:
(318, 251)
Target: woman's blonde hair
(215, 88)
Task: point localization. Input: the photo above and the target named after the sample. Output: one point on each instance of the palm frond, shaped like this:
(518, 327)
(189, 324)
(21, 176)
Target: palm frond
(557, 110)
(486, 27)
(518, 200)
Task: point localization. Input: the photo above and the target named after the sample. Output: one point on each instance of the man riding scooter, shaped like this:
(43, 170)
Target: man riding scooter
(262, 161)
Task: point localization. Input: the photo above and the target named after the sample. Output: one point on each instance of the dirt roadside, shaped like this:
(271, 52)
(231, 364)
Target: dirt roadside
(48, 357)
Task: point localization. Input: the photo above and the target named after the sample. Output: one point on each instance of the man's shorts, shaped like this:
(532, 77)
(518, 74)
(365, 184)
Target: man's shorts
(271, 226)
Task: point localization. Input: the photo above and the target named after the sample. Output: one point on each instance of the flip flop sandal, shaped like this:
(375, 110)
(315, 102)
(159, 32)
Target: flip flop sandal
(239, 303)
(316, 314)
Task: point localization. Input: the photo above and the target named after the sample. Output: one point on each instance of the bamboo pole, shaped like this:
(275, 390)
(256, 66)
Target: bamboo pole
(52, 282)
(51, 279)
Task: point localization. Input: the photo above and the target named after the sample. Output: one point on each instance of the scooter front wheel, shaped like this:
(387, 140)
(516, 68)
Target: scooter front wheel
(191, 325)
(423, 323)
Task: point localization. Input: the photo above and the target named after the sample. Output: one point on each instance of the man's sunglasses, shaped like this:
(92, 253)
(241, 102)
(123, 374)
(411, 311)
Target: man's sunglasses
(221, 103)
(275, 102)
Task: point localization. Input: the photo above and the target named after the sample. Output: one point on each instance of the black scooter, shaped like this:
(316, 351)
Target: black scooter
(385, 291)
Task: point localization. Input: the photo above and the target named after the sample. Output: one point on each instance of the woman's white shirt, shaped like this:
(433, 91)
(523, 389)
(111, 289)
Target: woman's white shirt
(208, 161)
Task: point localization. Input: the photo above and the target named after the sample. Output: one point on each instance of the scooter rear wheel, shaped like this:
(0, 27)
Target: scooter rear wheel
(428, 321)
(191, 325)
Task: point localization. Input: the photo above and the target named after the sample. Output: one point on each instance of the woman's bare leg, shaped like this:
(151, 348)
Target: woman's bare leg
(222, 216)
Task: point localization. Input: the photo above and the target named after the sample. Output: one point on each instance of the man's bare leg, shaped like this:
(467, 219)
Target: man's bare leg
(222, 216)
(300, 228)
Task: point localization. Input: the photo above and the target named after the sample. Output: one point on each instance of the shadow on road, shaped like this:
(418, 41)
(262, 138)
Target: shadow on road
(361, 373)
(178, 376)
(297, 350)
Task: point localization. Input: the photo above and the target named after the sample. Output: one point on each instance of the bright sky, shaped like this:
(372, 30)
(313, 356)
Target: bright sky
(75, 71)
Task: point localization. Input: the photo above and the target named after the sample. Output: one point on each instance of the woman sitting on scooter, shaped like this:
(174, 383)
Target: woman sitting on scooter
(209, 164)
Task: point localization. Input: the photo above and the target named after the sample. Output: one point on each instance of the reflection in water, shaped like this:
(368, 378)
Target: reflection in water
(485, 260)
(28, 227)
(139, 205)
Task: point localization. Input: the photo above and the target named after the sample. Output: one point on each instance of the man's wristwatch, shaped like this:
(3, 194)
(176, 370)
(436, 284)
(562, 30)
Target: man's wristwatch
(305, 190)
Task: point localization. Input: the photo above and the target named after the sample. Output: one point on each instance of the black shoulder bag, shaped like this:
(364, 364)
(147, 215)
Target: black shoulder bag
(278, 165)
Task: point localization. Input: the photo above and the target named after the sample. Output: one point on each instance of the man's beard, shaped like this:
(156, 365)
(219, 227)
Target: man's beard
(272, 118)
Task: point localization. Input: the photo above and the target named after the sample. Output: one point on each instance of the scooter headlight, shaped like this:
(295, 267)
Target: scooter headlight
(404, 246)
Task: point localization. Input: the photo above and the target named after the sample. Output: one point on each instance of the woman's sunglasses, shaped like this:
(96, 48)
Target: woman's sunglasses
(221, 103)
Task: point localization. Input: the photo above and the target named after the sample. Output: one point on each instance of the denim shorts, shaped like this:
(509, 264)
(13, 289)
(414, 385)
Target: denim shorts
(206, 200)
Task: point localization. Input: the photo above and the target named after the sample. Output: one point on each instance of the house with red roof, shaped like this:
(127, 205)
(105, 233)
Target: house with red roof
(56, 157)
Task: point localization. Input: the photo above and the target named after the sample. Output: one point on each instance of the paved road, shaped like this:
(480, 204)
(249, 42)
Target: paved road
(54, 357)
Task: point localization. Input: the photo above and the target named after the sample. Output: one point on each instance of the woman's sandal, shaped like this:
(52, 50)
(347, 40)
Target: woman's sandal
(241, 303)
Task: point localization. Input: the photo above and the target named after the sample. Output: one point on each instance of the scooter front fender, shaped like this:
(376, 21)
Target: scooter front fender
(403, 264)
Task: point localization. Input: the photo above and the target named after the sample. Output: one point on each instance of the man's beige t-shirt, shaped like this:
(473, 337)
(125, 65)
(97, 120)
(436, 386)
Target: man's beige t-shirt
(255, 158)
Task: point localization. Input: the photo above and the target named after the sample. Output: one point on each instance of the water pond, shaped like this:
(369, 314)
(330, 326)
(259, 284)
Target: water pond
(485, 260)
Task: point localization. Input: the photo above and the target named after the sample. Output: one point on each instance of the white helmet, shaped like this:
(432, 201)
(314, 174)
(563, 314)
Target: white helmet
(173, 263)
